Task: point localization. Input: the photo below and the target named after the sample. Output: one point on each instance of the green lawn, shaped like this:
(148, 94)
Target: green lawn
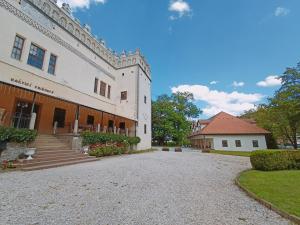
(281, 188)
(236, 153)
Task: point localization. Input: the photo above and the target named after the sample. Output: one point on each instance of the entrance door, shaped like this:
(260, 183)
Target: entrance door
(59, 117)
(22, 115)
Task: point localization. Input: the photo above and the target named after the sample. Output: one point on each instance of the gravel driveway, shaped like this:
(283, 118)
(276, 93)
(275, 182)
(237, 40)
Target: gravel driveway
(153, 188)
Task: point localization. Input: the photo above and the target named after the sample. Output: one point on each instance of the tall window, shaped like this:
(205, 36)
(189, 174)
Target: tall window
(36, 56)
(238, 143)
(145, 99)
(108, 91)
(102, 88)
(52, 64)
(145, 129)
(255, 143)
(96, 85)
(17, 48)
(224, 143)
(123, 95)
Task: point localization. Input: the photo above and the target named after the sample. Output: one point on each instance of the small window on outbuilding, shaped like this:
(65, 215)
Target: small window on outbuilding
(255, 143)
(238, 143)
(224, 143)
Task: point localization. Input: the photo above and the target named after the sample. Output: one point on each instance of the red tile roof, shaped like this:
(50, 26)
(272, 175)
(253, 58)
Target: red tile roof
(224, 123)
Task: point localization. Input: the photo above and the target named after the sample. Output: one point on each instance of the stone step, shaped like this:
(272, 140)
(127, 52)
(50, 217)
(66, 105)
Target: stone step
(54, 161)
(52, 147)
(40, 158)
(59, 164)
(51, 153)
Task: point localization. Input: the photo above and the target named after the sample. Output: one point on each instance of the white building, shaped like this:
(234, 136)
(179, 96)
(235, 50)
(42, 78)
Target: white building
(227, 132)
(54, 74)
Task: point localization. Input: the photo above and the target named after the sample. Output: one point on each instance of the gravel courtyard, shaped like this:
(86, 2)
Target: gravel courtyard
(153, 188)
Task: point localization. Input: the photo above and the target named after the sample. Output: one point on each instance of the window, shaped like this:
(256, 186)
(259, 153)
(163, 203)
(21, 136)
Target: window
(96, 85)
(110, 124)
(123, 95)
(108, 91)
(122, 125)
(102, 88)
(52, 64)
(255, 143)
(17, 48)
(238, 143)
(225, 143)
(90, 120)
(145, 99)
(59, 117)
(145, 129)
(36, 56)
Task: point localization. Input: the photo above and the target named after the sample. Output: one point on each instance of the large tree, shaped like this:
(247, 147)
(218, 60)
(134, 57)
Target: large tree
(171, 117)
(281, 115)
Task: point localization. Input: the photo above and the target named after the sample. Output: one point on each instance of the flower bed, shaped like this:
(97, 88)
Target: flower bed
(103, 144)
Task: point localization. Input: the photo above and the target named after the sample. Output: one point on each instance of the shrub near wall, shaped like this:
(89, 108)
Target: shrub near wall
(102, 144)
(9, 134)
(269, 160)
(92, 138)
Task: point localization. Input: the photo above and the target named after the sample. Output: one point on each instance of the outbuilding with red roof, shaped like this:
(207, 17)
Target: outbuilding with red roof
(226, 132)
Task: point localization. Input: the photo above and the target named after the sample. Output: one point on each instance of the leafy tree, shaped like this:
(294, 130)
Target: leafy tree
(285, 105)
(171, 117)
(281, 115)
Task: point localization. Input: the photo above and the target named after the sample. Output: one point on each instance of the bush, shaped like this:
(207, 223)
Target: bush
(269, 160)
(5, 133)
(92, 138)
(107, 151)
(17, 135)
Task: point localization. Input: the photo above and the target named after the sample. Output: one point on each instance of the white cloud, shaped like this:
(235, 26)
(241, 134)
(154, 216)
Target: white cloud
(234, 103)
(213, 82)
(179, 6)
(270, 81)
(281, 11)
(238, 84)
(80, 3)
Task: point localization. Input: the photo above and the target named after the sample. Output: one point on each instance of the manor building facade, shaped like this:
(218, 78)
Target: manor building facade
(57, 77)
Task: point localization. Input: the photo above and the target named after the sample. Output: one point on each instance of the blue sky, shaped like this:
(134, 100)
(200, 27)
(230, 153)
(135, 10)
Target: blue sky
(191, 43)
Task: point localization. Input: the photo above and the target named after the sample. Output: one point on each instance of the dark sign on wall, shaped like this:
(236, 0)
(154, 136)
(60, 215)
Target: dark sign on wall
(31, 85)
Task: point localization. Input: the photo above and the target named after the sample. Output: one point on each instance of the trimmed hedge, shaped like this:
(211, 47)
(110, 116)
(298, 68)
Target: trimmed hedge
(269, 160)
(92, 138)
(10, 134)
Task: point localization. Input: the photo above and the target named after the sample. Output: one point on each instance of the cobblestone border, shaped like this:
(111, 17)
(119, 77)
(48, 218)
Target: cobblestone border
(265, 203)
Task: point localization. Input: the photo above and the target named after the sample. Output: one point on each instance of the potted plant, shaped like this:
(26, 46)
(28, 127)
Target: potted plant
(24, 137)
(178, 149)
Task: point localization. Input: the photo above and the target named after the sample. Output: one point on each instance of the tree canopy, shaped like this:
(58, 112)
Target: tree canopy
(281, 115)
(171, 117)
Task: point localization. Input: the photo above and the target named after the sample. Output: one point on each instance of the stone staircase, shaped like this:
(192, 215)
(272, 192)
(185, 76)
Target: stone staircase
(52, 152)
